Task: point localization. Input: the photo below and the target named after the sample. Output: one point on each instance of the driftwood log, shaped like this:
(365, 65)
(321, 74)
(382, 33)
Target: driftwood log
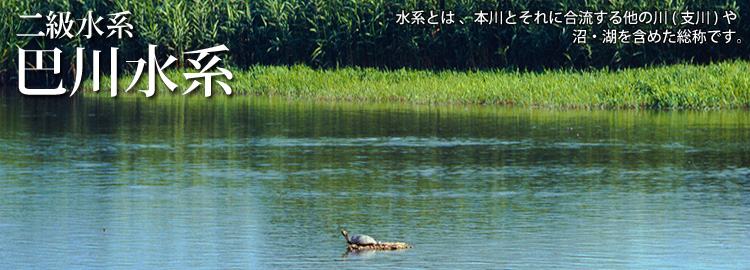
(378, 246)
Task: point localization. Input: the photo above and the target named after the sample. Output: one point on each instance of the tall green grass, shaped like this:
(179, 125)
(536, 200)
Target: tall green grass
(718, 85)
(364, 33)
(11, 24)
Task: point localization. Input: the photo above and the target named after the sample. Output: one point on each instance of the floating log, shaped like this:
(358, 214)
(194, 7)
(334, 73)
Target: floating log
(379, 246)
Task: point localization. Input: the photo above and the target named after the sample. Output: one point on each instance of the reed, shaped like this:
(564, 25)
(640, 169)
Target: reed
(364, 33)
(11, 25)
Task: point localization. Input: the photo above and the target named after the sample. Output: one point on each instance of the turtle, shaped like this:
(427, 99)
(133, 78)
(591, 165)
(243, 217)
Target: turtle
(359, 239)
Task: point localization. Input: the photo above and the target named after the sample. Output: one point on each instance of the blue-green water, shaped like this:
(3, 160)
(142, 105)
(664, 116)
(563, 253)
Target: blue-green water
(257, 183)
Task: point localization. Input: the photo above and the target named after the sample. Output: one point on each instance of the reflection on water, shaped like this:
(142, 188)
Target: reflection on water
(251, 182)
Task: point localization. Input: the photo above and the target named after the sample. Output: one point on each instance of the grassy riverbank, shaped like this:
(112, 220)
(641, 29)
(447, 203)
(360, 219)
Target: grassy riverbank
(719, 85)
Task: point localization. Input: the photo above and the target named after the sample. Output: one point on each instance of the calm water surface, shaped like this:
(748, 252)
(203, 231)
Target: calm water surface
(257, 183)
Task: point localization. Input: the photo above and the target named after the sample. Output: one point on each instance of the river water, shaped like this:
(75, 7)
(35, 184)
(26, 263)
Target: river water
(259, 183)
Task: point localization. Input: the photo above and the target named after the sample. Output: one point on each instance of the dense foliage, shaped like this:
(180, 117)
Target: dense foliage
(333, 33)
